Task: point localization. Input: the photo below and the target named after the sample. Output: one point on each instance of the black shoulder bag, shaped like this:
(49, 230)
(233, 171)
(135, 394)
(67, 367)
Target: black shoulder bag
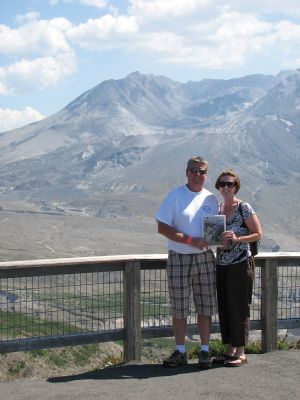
(253, 245)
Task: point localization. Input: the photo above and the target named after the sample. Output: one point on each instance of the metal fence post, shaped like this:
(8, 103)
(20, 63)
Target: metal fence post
(269, 297)
(132, 311)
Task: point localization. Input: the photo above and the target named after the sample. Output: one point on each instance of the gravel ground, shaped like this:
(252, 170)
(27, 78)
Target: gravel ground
(273, 375)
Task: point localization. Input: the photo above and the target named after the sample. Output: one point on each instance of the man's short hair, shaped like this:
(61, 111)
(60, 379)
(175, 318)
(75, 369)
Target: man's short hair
(197, 159)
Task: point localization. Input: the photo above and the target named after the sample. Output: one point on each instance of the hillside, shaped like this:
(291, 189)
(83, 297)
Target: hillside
(94, 173)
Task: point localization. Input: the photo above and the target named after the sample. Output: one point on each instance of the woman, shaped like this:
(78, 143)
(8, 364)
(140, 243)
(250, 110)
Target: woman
(235, 269)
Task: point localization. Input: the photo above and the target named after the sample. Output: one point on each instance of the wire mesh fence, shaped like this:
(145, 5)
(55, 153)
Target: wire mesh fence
(87, 302)
(288, 292)
(60, 304)
(155, 300)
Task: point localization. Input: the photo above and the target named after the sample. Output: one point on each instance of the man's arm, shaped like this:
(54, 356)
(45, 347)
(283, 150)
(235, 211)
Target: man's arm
(171, 233)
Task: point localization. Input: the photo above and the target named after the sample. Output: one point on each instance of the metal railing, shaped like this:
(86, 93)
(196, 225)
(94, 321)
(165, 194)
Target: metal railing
(60, 302)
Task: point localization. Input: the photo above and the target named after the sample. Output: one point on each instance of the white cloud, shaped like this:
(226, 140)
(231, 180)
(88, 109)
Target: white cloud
(93, 33)
(233, 25)
(286, 31)
(167, 8)
(39, 53)
(226, 40)
(191, 33)
(38, 74)
(41, 37)
(93, 3)
(287, 7)
(214, 36)
(27, 17)
(155, 9)
(162, 44)
(12, 119)
(3, 89)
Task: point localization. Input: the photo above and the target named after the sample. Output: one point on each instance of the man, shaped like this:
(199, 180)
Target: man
(190, 263)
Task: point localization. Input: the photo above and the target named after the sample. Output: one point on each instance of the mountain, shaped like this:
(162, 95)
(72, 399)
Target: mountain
(115, 151)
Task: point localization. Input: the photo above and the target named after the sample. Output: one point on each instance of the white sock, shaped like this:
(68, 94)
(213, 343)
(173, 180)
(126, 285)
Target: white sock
(180, 347)
(204, 347)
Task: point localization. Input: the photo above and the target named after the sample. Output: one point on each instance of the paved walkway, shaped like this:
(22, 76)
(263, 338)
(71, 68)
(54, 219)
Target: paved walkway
(274, 376)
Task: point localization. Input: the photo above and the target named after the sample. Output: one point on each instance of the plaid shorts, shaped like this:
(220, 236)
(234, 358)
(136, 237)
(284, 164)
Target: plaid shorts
(192, 271)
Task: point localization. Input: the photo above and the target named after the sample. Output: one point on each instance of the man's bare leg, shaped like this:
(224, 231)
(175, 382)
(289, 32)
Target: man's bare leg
(204, 327)
(179, 356)
(179, 329)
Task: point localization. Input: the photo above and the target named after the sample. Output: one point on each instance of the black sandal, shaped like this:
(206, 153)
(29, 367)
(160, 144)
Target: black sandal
(237, 362)
(222, 358)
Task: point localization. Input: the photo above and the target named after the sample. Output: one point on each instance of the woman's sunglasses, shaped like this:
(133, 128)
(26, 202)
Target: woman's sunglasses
(228, 184)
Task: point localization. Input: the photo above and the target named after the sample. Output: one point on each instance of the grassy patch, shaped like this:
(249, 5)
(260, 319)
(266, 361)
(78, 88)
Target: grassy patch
(154, 306)
(111, 359)
(283, 344)
(82, 302)
(39, 353)
(82, 354)
(154, 349)
(16, 325)
(16, 368)
(253, 347)
(158, 348)
(58, 358)
(75, 356)
(215, 347)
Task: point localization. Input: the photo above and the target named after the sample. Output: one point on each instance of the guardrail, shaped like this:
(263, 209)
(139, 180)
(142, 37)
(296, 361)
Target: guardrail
(71, 301)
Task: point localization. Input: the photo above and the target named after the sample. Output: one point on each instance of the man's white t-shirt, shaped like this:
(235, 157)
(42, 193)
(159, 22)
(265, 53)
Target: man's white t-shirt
(184, 210)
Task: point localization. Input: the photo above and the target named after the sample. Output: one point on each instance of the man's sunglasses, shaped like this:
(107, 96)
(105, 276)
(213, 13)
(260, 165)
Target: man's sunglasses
(228, 184)
(197, 171)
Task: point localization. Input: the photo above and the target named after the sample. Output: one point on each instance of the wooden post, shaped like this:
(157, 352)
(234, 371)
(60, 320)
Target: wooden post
(269, 297)
(132, 311)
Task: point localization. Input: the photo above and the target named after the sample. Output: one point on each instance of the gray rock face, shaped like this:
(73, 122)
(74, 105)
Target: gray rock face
(118, 148)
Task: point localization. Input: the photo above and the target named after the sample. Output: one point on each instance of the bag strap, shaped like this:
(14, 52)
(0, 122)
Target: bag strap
(241, 212)
(253, 245)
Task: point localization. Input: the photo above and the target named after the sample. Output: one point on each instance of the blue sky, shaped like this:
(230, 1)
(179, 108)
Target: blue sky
(51, 51)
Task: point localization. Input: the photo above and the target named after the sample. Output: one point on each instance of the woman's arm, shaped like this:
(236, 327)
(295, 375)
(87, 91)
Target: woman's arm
(255, 231)
(254, 228)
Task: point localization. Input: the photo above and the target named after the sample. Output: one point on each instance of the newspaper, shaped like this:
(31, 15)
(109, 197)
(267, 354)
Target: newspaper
(213, 227)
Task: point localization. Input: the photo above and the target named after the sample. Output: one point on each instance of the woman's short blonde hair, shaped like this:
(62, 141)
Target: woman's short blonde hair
(233, 174)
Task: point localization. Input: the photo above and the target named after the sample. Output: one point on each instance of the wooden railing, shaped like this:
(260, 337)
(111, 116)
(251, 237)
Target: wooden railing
(130, 329)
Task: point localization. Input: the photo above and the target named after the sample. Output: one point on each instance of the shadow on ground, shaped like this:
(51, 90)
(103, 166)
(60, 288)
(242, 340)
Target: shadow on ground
(127, 371)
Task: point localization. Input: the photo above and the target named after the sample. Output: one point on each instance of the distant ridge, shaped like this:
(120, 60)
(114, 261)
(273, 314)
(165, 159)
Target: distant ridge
(115, 150)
